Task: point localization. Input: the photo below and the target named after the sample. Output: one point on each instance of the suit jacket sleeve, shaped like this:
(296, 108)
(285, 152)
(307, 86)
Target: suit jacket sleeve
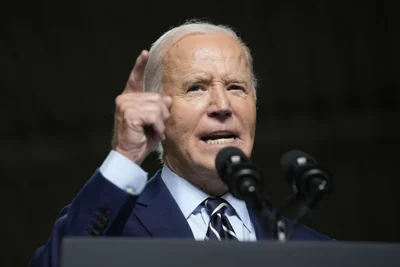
(100, 208)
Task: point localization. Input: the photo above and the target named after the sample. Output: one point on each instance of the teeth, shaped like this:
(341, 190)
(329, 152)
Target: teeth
(220, 141)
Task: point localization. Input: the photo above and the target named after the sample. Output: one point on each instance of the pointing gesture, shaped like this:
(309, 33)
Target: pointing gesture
(140, 116)
(135, 81)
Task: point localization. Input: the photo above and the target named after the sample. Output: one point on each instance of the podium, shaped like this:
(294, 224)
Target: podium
(124, 252)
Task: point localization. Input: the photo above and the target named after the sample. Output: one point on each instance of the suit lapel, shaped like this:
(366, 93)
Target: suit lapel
(158, 212)
(260, 233)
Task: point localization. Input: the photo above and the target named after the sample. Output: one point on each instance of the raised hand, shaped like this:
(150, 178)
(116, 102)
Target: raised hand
(140, 116)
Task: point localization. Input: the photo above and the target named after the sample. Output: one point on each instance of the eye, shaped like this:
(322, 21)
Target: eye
(236, 87)
(194, 88)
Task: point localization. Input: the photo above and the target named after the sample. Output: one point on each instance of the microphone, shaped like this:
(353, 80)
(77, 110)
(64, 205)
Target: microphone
(238, 172)
(242, 177)
(309, 180)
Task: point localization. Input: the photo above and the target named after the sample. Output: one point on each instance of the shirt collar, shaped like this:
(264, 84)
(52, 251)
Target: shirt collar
(189, 197)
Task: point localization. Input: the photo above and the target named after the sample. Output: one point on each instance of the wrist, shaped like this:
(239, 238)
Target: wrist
(133, 156)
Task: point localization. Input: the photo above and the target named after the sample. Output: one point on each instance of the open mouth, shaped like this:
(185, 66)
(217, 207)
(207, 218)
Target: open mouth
(219, 138)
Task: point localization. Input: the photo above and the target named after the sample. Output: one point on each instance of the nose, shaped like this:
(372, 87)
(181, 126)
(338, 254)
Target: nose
(220, 106)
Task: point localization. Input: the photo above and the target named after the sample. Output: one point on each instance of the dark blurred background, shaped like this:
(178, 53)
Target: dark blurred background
(329, 85)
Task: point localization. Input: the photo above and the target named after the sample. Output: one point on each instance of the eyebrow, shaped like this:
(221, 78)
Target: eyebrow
(197, 79)
(235, 80)
(208, 78)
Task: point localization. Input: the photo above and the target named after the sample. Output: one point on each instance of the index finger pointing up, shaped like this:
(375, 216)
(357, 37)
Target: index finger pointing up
(135, 81)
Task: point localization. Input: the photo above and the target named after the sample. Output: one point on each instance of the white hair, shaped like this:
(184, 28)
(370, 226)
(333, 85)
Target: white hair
(153, 74)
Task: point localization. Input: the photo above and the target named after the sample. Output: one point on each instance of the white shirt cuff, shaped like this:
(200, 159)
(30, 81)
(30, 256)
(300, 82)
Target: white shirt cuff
(124, 173)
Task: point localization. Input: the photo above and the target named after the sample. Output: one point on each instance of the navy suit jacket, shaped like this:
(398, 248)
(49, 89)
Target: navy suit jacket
(103, 209)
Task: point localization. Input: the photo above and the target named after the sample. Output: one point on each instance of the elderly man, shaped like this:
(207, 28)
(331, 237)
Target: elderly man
(192, 94)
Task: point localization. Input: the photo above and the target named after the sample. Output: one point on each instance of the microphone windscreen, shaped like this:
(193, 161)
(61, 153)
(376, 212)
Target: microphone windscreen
(289, 159)
(224, 155)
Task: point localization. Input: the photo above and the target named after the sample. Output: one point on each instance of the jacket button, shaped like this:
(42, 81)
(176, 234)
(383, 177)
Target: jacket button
(130, 190)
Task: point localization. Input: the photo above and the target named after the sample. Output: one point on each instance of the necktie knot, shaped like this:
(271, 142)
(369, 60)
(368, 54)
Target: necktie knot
(215, 205)
(219, 227)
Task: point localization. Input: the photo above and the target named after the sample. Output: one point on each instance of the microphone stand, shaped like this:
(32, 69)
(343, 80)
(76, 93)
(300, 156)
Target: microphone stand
(281, 232)
(270, 218)
(262, 207)
(305, 210)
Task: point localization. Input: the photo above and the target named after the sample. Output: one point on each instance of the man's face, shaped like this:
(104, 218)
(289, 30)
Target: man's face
(213, 101)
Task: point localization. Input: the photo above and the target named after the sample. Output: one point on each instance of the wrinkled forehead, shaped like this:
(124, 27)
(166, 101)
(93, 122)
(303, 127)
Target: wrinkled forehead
(204, 51)
(171, 43)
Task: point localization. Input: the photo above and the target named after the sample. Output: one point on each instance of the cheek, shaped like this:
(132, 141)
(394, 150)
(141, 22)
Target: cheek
(247, 114)
(180, 126)
(253, 118)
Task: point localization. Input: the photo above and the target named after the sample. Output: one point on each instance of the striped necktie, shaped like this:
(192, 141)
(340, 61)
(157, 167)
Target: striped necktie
(219, 227)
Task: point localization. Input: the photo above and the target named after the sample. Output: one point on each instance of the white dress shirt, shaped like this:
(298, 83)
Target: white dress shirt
(132, 178)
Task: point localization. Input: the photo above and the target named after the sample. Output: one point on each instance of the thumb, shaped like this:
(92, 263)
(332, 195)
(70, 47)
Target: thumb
(168, 101)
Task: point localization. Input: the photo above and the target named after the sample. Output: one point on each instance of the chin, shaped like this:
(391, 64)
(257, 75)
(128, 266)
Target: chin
(209, 164)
